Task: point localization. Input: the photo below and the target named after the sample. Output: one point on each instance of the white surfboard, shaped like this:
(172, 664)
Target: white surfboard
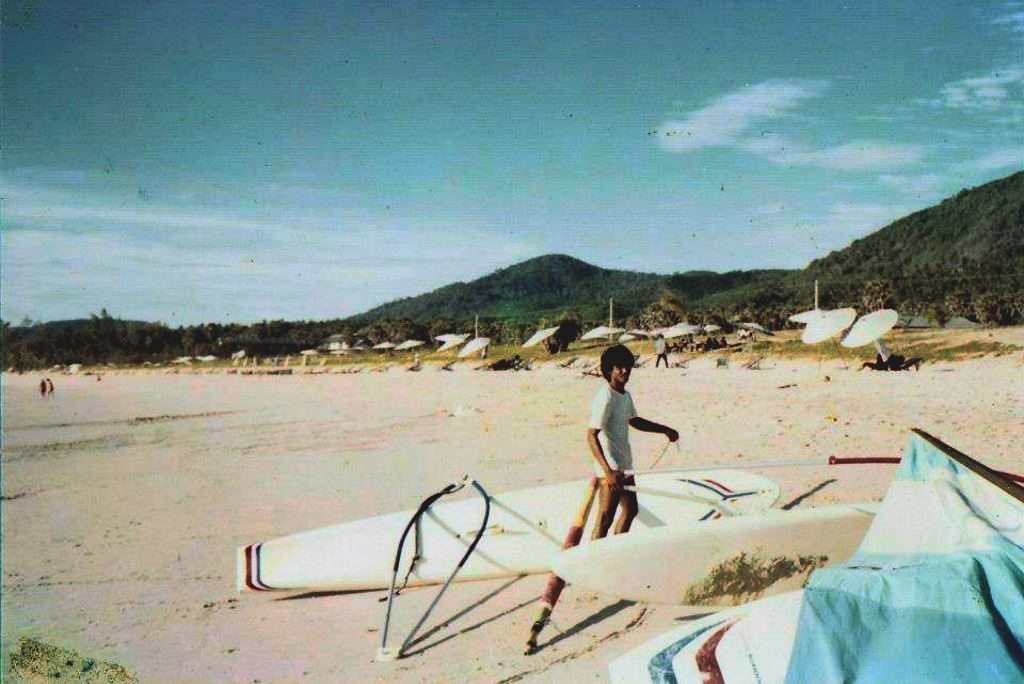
(524, 532)
(751, 644)
(723, 563)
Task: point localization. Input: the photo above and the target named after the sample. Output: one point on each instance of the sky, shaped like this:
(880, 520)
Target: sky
(188, 162)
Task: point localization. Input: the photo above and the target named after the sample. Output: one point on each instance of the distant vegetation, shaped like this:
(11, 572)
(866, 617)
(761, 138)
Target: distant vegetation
(963, 257)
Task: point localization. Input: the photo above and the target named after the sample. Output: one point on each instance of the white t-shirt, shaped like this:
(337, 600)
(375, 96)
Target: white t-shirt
(610, 412)
(659, 345)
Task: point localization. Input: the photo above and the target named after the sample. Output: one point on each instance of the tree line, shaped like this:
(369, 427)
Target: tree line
(985, 293)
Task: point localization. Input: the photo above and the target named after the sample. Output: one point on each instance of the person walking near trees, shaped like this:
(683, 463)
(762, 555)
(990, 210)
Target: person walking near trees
(661, 350)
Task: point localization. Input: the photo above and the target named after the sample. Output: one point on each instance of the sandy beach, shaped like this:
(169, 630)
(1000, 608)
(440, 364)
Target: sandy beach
(124, 499)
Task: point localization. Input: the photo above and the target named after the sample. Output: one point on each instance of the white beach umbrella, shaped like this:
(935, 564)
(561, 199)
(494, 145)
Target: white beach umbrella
(601, 331)
(540, 336)
(310, 352)
(409, 344)
(627, 337)
(208, 359)
(828, 324)
(448, 337)
(384, 345)
(451, 341)
(712, 328)
(753, 326)
(340, 352)
(805, 317)
(474, 345)
(637, 332)
(871, 327)
(679, 330)
(240, 354)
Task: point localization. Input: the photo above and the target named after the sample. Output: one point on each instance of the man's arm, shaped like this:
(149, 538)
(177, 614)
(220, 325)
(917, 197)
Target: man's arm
(597, 453)
(644, 425)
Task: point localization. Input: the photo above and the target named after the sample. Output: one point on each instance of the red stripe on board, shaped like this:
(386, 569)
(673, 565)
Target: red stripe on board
(840, 460)
(718, 484)
(707, 657)
(248, 569)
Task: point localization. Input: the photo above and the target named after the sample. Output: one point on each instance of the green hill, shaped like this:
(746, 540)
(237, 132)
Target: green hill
(946, 260)
(548, 285)
(981, 225)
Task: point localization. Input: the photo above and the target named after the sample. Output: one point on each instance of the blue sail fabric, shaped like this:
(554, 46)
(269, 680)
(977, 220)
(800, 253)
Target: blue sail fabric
(935, 593)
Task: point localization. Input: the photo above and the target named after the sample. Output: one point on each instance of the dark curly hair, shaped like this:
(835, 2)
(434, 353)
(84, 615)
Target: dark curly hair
(617, 356)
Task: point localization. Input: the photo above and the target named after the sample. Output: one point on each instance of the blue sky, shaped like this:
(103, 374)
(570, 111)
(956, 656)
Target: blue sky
(193, 161)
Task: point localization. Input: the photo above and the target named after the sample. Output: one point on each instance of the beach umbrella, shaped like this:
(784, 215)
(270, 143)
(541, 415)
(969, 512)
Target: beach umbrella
(601, 331)
(805, 317)
(339, 352)
(540, 336)
(871, 327)
(755, 327)
(384, 345)
(641, 333)
(827, 325)
(474, 345)
(309, 352)
(448, 337)
(627, 337)
(685, 329)
(208, 359)
(409, 344)
(712, 328)
(451, 341)
(240, 354)
(679, 330)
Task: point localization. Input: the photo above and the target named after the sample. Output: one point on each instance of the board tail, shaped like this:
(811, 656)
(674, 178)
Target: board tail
(247, 569)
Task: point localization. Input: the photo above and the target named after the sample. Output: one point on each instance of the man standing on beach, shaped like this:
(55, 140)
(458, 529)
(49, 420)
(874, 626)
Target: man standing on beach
(659, 349)
(612, 413)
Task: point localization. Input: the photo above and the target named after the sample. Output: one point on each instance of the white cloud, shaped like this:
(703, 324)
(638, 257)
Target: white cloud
(993, 91)
(862, 155)
(865, 155)
(921, 186)
(728, 122)
(71, 252)
(1013, 20)
(1010, 157)
(726, 119)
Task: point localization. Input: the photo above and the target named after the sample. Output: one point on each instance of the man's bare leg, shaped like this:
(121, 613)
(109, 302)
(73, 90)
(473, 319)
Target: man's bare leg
(608, 502)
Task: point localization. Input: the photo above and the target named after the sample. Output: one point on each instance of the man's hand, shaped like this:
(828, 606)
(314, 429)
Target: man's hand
(613, 479)
(672, 435)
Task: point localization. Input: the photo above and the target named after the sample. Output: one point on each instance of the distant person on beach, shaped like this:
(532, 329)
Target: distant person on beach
(612, 413)
(659, 349)
(49, 386)
(42, 388)
(885, 360)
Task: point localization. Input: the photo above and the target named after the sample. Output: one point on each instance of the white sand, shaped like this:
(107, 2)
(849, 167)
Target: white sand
(119, 536)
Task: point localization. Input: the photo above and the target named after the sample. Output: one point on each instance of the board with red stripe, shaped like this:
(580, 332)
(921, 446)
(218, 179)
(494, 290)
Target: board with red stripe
(525, 530)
